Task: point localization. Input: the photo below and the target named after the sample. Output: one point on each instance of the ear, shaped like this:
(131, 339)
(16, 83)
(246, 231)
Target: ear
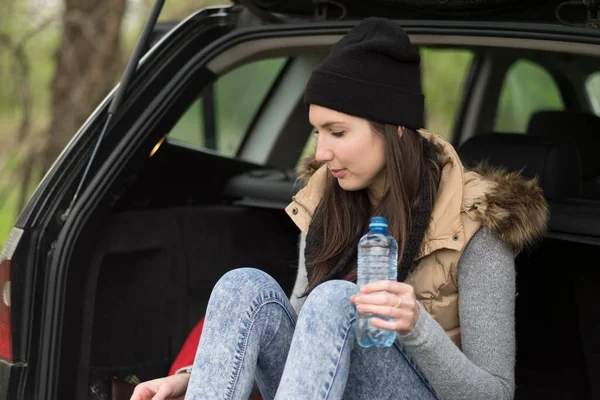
(400, 131)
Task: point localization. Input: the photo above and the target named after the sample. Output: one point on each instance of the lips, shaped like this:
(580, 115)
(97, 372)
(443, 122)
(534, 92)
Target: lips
(338, 173)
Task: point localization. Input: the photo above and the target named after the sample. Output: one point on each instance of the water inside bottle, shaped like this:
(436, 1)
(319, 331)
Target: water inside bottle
(377, 260)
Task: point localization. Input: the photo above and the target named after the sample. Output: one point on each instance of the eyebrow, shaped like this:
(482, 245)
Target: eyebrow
(328, 124)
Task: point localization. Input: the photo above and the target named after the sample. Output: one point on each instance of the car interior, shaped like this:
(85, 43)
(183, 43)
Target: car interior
(211, 195)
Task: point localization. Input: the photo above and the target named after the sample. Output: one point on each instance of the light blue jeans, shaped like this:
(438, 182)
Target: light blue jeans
(251, 333)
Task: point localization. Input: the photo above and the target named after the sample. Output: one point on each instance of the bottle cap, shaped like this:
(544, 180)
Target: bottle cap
(378, 222)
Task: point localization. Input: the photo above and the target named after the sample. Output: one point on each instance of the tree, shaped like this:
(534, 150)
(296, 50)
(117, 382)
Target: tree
(47, 94)
(17, 30)
(87, 62)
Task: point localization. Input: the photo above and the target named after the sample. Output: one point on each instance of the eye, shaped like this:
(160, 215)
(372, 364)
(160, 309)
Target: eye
(338, 134)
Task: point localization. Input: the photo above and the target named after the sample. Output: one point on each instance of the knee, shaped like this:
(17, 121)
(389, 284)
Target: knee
(331, 296)
(244, 280)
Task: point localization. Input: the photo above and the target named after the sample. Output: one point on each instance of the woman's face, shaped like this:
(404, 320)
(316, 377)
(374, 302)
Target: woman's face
(353, 152)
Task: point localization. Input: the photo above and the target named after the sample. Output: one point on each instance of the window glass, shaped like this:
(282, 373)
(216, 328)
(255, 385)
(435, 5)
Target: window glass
(527, 88)
(443, 73)
(592, 86)
(221, 116)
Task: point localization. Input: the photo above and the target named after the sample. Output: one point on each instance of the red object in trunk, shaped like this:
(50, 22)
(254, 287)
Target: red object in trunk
(5, 325)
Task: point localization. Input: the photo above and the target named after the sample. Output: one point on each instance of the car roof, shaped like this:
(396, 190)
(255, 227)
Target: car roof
(556, 12)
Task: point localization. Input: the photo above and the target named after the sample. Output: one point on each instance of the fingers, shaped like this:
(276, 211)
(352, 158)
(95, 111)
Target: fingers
(169, 388)
(405, 301)
(142, 392)
(392, 299)
(386, 293)
(386, 311)
(165, 391)
(385, 299)
(398, 288)
(381, 298)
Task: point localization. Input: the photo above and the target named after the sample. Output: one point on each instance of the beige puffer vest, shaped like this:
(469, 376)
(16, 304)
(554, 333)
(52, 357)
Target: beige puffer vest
(466, 200)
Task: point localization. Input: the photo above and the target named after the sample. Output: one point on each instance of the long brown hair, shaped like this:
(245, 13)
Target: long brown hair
(412, 176)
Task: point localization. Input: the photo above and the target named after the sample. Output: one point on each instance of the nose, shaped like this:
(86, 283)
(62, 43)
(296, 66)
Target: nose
(324, 152)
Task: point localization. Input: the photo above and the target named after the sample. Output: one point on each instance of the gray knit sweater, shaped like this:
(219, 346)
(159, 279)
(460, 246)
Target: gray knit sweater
(484, 369)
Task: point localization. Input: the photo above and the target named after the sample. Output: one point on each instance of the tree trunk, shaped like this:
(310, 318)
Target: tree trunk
(87, 61)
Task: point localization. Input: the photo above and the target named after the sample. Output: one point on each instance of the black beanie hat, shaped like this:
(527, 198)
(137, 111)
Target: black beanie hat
(372, 72)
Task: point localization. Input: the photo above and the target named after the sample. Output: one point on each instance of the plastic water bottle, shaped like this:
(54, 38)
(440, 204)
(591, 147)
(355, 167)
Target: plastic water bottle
(377, 261)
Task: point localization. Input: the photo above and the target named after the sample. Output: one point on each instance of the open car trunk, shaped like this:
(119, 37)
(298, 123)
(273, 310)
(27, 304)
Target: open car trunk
(155, 270)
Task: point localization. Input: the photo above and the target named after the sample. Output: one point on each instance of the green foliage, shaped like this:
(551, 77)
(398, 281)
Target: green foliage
(21, 21)
(443, 75)
(29, 32)
(7, 212)
(176, 10)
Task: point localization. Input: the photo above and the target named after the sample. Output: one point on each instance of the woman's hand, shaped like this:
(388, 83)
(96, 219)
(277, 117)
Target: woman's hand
(170, 388)
(390, 299)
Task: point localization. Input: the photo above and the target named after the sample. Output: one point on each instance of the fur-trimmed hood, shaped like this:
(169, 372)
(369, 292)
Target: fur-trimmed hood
(515, 207)
(508, 204)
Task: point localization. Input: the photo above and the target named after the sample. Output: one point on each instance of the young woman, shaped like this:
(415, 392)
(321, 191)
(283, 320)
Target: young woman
(458, 232)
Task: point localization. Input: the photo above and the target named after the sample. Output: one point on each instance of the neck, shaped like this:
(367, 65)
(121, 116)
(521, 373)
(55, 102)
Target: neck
(374, 198)
(376, 190)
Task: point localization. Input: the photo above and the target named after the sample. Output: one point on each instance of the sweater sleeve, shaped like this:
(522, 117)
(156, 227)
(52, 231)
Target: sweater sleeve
(301, 283)
(484, 369)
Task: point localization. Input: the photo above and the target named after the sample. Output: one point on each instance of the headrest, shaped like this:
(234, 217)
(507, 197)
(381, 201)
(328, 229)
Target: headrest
(582, 129)
(554, 162)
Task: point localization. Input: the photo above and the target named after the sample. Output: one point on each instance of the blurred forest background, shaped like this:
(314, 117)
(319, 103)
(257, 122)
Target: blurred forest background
(59, 59)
